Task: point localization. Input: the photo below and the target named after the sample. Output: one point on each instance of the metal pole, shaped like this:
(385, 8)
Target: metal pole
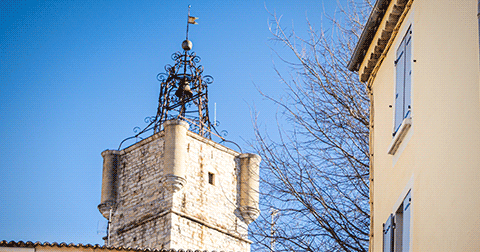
(273, 213)
(109, 227)
(188, 16)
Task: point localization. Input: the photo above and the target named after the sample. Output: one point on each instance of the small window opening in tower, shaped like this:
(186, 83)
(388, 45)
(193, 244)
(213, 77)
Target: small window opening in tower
(211, 178)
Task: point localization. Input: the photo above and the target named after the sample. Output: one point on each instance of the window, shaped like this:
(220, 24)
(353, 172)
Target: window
(211, 178)
(403, 89)
(396, 230)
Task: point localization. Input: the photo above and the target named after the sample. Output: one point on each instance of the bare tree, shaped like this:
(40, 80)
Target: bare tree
(315, 171)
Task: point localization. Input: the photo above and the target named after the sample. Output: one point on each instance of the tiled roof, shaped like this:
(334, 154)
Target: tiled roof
(368, 33)
(386, 31)
(29, 244)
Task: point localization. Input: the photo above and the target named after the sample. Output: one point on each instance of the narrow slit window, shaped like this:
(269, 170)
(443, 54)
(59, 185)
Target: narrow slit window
(211, 178)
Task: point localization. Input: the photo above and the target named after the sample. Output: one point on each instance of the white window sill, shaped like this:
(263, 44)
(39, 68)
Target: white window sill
(400, 135)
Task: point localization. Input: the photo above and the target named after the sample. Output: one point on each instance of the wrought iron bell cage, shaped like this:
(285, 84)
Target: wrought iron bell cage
(184, 93)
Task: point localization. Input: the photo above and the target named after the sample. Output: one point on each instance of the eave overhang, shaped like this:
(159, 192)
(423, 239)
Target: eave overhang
(377, 32)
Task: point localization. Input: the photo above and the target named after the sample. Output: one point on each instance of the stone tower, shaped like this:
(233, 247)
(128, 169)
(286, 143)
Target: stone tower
(177, 188)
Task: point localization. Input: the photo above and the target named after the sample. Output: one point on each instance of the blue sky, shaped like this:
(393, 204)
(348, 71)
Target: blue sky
(77, 76)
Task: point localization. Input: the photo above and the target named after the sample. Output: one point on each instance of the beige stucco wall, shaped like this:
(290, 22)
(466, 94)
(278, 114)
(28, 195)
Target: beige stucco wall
(439, 160)
(8, 249)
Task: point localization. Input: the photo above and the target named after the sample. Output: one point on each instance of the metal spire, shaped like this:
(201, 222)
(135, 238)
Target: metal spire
(183, 90)
(183, 94)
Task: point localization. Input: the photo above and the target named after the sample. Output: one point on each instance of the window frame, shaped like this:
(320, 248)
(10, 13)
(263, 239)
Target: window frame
(397, 227)
(402, 112)
(403, 81)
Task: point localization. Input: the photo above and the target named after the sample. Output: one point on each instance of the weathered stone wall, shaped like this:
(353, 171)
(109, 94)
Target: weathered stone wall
(207, 204)
(190, 233)
(139, 219)
(199, 216)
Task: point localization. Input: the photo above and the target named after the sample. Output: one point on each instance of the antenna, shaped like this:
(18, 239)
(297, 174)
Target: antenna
(273, 213)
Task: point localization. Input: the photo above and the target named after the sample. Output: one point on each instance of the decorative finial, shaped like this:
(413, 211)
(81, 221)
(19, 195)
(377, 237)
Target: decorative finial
(187, 45)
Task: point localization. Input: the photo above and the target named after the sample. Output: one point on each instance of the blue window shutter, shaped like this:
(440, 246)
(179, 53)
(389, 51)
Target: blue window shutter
(408, 74)
(399, 86)
(407, 213)
(388, 235)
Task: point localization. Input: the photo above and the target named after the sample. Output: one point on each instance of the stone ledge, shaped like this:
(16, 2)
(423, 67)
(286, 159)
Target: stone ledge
(141, 221)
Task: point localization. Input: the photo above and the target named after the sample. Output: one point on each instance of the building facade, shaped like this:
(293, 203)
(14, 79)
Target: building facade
(420, 59)
(177, 189)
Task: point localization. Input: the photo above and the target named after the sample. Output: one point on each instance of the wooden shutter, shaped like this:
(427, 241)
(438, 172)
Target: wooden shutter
(407, 206)
(388, 235)
(408, 74)
(399, 85)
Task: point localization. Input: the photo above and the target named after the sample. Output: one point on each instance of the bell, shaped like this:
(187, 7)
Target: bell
(184, 90)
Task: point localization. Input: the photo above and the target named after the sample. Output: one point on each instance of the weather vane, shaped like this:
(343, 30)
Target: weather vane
(190, 20)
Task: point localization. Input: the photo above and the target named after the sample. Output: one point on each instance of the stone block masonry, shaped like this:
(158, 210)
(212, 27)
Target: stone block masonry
(199, 212)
